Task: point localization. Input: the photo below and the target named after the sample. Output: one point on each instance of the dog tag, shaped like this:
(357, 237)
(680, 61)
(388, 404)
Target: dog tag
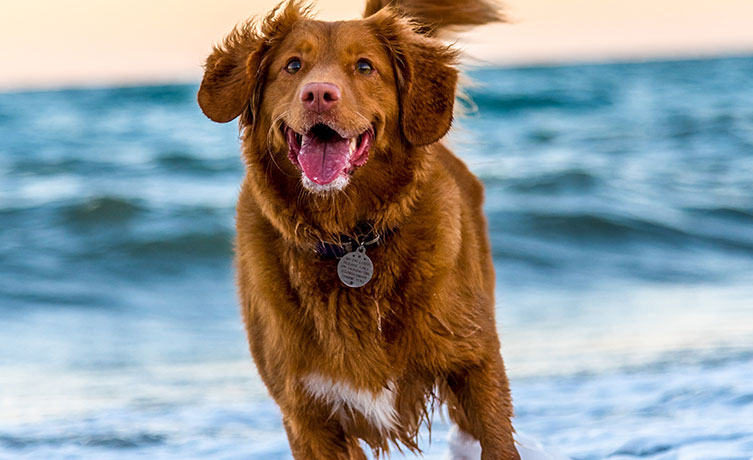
(355, 268)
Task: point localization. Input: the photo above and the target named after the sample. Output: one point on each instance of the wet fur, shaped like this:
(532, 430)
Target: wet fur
(424, 325)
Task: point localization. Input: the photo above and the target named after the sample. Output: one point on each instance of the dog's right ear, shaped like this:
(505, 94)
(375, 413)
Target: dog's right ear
(230, 74)
(234, 73)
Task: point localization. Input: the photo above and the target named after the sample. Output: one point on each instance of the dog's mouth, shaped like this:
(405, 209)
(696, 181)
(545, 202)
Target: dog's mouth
(324, 155)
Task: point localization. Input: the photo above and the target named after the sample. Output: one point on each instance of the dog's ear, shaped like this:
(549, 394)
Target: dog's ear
(427, 93)
(425, 74)
(230, 75)
(432, 17)
(234, 73)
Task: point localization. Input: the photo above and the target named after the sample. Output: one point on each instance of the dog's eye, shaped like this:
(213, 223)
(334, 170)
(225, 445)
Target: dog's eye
(294, 65)
(364, 67)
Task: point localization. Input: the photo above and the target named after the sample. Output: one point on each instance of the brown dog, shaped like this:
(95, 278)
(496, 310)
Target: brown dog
(340, 125)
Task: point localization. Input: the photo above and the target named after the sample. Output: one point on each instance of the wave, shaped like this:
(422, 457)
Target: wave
(101, 440)
(178, 94)
(614, 229)
(629, 242)
(102, 210)
(108, 229)
(203, 245)
(572, 180)
(744, 215)
(185, 162)
(61, 166)
(504, 103)
(597, 227)
(579, 247)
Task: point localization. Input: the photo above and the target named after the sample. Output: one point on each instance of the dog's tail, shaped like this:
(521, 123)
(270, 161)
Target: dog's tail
(435, 16)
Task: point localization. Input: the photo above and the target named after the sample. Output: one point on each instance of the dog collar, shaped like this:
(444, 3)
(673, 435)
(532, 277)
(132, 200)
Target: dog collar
(364, 235)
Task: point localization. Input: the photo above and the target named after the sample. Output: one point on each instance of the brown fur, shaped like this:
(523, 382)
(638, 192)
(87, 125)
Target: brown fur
(426, 319)
(434, 15)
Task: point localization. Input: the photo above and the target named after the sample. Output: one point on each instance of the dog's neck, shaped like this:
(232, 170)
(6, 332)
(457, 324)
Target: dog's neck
(363, 235)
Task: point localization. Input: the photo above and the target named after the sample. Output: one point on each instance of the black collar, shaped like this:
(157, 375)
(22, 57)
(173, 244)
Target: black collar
(364, 234)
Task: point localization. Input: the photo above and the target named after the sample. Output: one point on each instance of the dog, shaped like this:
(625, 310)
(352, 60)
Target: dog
(364, 267)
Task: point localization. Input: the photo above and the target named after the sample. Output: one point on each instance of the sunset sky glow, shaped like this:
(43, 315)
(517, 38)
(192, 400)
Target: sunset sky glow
(49, 43)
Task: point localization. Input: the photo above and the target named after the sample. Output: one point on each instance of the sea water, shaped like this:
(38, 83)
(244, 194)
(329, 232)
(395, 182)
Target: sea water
(620, 206)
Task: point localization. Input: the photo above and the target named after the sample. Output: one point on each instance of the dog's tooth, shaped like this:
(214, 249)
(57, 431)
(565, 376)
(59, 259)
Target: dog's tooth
(353, 144)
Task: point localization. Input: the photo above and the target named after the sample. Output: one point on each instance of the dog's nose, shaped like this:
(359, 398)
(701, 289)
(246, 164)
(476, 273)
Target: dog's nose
(320, 97)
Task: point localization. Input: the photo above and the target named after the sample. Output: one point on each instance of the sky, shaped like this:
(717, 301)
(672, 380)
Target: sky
(55, 43)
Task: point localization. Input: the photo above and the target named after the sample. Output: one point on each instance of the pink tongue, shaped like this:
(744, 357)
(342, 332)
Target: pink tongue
(322, 161)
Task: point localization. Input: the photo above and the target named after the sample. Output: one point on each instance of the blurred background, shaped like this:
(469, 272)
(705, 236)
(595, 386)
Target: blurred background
(615, 140)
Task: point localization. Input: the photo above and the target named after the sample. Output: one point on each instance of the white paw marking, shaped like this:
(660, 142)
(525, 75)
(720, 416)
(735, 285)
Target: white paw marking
(463, 446)
(377, 408)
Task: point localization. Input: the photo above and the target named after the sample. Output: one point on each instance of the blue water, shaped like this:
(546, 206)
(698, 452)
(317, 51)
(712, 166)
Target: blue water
(620, 202)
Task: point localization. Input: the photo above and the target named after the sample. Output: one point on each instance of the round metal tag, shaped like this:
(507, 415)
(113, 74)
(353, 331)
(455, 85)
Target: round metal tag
(355, 268)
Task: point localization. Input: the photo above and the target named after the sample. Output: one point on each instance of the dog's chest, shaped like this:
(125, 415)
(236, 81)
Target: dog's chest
(378, 408)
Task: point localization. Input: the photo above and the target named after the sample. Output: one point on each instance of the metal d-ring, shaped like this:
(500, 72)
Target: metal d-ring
(369, 243)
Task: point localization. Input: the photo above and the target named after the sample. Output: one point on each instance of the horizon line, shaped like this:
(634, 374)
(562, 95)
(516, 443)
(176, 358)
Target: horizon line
(105, 83)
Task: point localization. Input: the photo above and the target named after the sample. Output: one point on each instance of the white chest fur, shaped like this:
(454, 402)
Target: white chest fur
(376, 407)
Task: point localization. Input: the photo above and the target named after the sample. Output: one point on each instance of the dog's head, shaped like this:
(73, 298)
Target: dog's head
(326, 98)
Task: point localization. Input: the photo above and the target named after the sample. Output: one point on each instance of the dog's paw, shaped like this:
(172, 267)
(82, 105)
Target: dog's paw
(463, 446)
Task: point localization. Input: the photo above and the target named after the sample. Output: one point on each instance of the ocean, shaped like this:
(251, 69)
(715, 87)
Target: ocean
(620, 205)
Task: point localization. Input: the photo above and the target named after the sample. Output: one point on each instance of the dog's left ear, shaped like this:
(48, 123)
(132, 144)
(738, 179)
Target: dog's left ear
(425, 75)
(427, 92)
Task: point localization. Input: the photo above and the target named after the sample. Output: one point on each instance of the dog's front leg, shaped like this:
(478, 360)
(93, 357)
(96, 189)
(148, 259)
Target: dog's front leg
(483, 408)
(317, 436)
